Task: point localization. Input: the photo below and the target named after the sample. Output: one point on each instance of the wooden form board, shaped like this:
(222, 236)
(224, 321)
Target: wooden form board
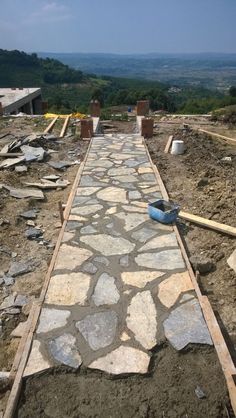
(220, 345)
(214, 134)
(23, 351)
(168, 145)
(64, 128)
(50, 126)
(229, 230)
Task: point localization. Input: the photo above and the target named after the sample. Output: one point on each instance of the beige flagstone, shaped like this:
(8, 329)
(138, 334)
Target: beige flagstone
(143, 170)
(71, 257)
(140, 278)
(132, 220)
(51, 318)
(170, 289)
(113, 194)
(36, 363)
(124, 337)
(86, 210)
(68, 289)
(77, 218)
(108, 245)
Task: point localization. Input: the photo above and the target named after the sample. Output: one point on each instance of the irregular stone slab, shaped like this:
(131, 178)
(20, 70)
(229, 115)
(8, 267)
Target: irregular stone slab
(100, 163)
(88, 230)
(140, 278)
(64, 350)
(19, 330)
(108, 245)
(144, 170)
(71, 226)
(134, 209)
(111, 211)
(71, 257)
(36, 362)
(67, 236)
(232, 261)
(77, 218)
(168, 240)
(151, 189)
(171, 288)
(102, 260)
(141, 319)
(122, 156)
(87, 191)
(78, 200)
(86, 210)
(29, 214)
(90, 182)
(51, 319)
(112, 194)
(68, 289)
(33, 233)
(105, 292)
(134, 195)
(126, 179)
(164, 260)
(16, 269)
(99, 329)
(124, 261)
(8, 302)
(132, 220)
(123, 360)
(89, 268)
(120, 171)
(143, 234)
(185, 325)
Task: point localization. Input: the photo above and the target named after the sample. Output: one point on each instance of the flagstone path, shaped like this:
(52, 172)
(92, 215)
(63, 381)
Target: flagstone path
(119, 287)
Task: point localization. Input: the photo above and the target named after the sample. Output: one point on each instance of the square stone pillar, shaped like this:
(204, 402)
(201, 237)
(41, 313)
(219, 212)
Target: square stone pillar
(86, 128)
(95, 109)
(147, 125)
(1, 109)
(143, 108)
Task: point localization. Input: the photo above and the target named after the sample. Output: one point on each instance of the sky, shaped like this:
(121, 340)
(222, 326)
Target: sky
(118, 26)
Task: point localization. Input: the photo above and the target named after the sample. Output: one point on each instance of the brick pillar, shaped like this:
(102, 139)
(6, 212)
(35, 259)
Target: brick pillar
(86, 128)
(1, 109)
(44, 107)
(147, 127)
(143, 108)
(95, 109)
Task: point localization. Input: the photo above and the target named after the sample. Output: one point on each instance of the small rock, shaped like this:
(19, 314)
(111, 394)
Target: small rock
(203, 265)
(30, 223)
(33, 233)
(20, 168)
(8, 302)
(232, 261)
(203, 182)
(19, 330)
(13, 255)
(30, 214)
(226, 160)
(199, 393)
(4, 222)
(21, 300)
(8, 280)
(17, 269)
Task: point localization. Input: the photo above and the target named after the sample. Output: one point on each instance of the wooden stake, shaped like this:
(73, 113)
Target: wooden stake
(60, 207)
(216, 226)
(50, 126)
(168, 145)
(64, 128)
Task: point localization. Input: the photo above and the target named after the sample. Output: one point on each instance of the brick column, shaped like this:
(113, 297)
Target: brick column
(95, 109)
(147, 125)
(143, 108)
(1, 109)
(86, 128)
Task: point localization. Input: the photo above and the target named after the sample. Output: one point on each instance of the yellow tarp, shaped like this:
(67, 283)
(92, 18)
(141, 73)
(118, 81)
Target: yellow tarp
(73, 115)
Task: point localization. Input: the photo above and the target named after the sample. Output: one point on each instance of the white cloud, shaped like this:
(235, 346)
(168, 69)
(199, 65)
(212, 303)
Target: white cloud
(50, 12)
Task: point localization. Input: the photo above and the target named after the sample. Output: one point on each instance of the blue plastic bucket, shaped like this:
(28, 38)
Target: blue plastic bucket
(163, 211)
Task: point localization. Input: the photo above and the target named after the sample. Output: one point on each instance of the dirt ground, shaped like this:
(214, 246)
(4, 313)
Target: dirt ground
(204, 185)
(14, 246)
(169, 389)
(167, 392)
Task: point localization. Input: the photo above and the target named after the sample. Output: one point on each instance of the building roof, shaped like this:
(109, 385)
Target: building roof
(9, 96)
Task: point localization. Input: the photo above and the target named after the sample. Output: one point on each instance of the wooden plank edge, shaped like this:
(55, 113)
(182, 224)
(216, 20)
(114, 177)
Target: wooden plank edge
(24, 348)
(64, 128)
(214, 134)
(50, 126)
(220, 345)
(216, 226)
(168, 144)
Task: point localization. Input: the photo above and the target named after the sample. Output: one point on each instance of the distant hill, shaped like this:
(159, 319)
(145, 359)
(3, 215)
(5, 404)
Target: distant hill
(208, 70)
(24, 70)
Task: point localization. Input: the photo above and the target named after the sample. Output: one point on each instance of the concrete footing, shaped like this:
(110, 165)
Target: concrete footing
(147, 125)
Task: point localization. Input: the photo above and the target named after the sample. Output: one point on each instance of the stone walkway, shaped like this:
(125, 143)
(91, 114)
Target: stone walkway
(120, 286)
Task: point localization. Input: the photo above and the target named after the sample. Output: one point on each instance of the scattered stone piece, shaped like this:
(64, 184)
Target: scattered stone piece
(185, 325)
(33, 233)
(124, 337)
(51, 177)
(26, 193)
(30, 223)
(16, 269)
(199, 393)
(32, 153)
(9, 281)
(36, 362)
(164, 260)
(232, 261)
(51, 319)
(171, 288)
(124, 261)
(64, 350)
(68, 289)
(19, 330)
(140, 278)
(21, 300)
(98, 329)
(29, 214)
(202, 264)
(9, 162)
(141, 319)
(60, 165)
(108, 245)
(20, 168)
(8, 302)
(105, 292)
(123, 360)
(71, 257)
